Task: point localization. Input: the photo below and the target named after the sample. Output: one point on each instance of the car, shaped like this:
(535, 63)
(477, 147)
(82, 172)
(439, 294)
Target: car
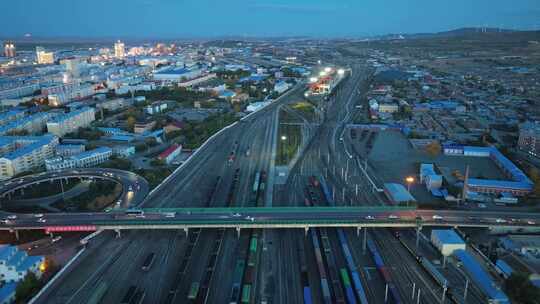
(369, 217)
(437, 217)
(130, 188)
(12, 217)
(393, 217)
(530, 222)
(482, 206)
(236, 214)
(38, 215)
(41, 220)
(56, 239)
(4, 221)
(500, 220)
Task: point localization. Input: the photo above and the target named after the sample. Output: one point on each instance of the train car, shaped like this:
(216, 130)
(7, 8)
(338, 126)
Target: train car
(357, 283)
(433, 272)
(348, 287)
(327, 298)
(308, 299)
(99, 293)
(193, 291)
(256, 182)
(246, 293)
(237, 281)
(130, 294)
(138, 298)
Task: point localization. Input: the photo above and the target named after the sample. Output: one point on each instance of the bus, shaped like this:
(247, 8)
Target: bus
(148, 261)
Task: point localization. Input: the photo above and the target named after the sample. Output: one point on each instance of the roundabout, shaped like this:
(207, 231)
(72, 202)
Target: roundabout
(133, 188)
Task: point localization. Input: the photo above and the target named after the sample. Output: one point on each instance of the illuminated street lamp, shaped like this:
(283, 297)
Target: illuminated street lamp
(341, 72)
(328, 69)
(409, 180)
(283, 139)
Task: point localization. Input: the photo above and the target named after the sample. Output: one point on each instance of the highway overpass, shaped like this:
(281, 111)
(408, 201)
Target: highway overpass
(283, 217)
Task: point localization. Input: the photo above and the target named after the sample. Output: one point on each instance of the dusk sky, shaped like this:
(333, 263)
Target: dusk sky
(210, 18)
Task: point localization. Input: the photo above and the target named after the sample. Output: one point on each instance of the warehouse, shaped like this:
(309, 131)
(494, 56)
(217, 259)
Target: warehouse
(447, 241)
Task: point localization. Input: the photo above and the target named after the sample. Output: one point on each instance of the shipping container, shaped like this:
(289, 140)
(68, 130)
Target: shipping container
(307, 296)
(246, 293)
(193, 291)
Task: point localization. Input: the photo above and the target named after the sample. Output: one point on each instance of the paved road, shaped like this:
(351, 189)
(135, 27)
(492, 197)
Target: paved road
(134, 187)
(116, 261)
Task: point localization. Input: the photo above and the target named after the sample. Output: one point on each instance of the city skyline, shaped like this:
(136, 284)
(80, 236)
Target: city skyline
(264, 18)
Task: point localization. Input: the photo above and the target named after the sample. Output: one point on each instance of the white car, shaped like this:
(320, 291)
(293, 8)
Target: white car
(38, 215)
(500, 220)
(12, 217)
(236, 215)
(41, 220)
(393, 217)
(529, 222)
(437, 217)
(369, 217)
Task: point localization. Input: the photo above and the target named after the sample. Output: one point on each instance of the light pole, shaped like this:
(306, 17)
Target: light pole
(283, 139)
(409, 180)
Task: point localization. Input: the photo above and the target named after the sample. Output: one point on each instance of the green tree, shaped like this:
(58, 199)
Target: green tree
(27, 288)
(521, 290)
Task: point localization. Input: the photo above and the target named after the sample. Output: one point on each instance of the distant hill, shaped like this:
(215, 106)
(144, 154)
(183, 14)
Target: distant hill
(466, 33)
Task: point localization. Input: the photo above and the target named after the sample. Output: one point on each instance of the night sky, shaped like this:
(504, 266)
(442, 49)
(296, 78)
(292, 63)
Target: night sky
(212, 18)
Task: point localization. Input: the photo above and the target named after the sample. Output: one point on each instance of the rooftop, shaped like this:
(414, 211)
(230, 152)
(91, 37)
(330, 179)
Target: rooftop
(448, 236)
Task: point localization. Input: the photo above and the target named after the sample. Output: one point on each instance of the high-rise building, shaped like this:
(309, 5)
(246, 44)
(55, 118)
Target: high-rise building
(119, 49)
(24, 153)
(44, 57)
(529, 138)
(9, 49)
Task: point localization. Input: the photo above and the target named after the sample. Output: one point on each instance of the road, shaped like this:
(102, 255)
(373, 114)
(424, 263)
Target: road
(134, 187)
(114, 261)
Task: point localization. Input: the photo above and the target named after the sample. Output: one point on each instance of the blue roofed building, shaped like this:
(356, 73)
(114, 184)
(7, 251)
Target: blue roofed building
(15, 264)
(397, 193)
(518, 184)
(85, 159)
(24, 153)
(481, 278)
(31, 124)
(7, 293)
(72, 121)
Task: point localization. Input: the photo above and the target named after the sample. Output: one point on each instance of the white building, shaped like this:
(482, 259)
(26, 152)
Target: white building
(119, 49)
(281, 86)
(388, 107)
(113, 104)
(156, 107)
(86, 159)
(171, 153)
(72, 121)
(447, 241)
(24, 153)
(69, 150)
(44, 57)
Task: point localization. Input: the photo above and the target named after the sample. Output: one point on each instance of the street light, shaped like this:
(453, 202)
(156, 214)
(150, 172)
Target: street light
(409, 180)
(328, 69)
(283, 139)
(341, 72)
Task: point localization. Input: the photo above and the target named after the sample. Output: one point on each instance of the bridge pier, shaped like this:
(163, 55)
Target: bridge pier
(118, 233)
(418, 230)
(364, 243)
(186, 230)
(17, 235)
(306, 230)
(358, 229)
(238, 231)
